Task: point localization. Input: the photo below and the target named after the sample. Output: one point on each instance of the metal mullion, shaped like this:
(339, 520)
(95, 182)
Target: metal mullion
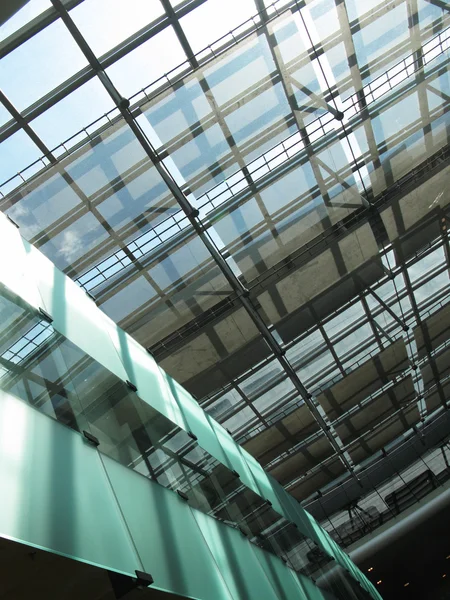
(426, 339)
(370, 320)
(180, 33)
(49, 100)
(26, 128)
(219, 116)
(357, 80)
(368, 290)
(33, 27)
(414, 34)
(329, 344)
(444, 235)
(287, 87)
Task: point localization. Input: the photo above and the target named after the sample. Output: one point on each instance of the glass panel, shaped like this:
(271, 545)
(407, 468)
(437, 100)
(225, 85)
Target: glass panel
(356, 10)
(240, 421)
(165, 533)
(16, 153)
(84, 105)
(237, 562)
(362, 335)
(33, 367)
(431, 288)
(106, 23)
(53, 375)
(315, 365)
(166, 295)
(344, 319)
(98, 199)
(30, 62)
(139, 68)
(17, 273)
(376, 42)
(59, 498)
(24, 15)
(427, 264)
(224, 404)
(5, 116)
(43, 368)
(258, 381)
(221, 20)
(278, 395)
(186, 121)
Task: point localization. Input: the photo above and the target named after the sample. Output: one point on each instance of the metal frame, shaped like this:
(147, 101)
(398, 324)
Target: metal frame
(242, 295)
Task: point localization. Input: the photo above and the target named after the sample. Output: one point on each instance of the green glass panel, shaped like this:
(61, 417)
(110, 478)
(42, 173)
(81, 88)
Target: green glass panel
(32, 365)
(74, 314)
(57, 496)
(142, 370)
(236, 559)
(284, 581)
(166, 536)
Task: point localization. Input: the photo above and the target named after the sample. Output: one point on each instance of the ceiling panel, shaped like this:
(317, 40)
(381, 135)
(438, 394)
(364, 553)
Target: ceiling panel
(433, 331)
(438, 366)
(317, 480)
(384, 434)
(291, 430)
(377, 410)
(307, 457)
(364, 380)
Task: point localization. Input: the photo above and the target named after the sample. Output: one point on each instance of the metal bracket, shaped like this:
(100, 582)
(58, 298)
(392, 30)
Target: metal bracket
(91, 438)
(45, 315)
(143, 579)
(131, 386)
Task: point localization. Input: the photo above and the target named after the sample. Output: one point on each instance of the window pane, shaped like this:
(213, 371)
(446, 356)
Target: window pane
(214, 19)
(84, 106)
(40, 64)
(32, 9)
(139, 69)
(106, 23)
(16, 153)
(5, 116)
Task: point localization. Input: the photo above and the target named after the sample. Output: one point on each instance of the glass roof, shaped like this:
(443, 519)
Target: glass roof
(258, 192)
